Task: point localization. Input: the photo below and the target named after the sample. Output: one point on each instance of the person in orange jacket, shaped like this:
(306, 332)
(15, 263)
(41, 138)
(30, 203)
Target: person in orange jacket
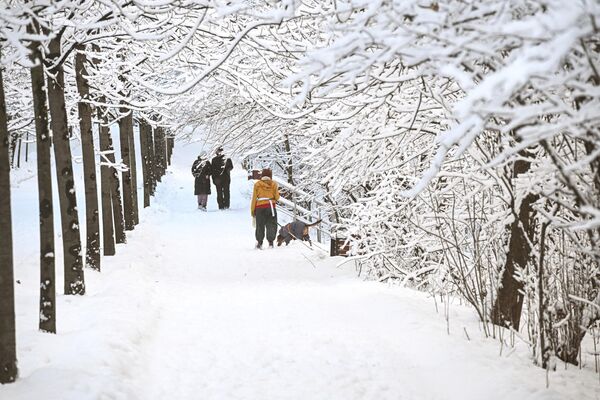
(263, 207)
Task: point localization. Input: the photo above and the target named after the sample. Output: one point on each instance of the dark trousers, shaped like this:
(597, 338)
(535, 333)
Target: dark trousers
(222, 195)
(265, 221)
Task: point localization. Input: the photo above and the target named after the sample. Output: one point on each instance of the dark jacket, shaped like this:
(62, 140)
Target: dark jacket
(221, 170)
(201, 169)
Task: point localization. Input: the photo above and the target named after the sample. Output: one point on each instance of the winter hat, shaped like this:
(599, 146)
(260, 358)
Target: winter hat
(267, 172)
(219, 150)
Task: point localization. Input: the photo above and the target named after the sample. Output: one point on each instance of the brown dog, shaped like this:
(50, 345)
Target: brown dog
(295, 230)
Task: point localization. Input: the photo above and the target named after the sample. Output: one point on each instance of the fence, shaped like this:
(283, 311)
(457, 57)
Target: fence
(289, 205)
(308, 208)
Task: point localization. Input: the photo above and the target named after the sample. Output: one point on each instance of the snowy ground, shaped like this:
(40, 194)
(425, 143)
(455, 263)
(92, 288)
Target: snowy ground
(189, 310)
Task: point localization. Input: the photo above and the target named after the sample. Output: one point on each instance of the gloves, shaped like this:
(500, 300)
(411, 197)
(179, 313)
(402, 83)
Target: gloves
(253, 221)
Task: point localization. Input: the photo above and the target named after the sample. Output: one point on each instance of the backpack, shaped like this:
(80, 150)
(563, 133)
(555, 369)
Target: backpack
(197, 169)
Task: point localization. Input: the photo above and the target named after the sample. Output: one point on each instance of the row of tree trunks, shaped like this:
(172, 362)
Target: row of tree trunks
(89, 164)
(119, 217)
(50, 116)
(74, 280)
(156, 150)
(48, 94)
(8, 355)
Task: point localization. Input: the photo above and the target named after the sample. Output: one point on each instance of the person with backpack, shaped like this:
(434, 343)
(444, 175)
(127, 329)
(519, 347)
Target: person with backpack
(221, 176)
(263, 208)
(201, 169)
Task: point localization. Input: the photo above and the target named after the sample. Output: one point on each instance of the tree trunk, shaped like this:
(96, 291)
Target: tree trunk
(108, 231)
(12, 144)
(8, 345)
(289, 166)
(509, 301)
(115, 185)
(145, 132)
(568, 350)
(89, 164)
(157, 159)
(74, 279)
(159, 143)
(19, 153)
(47, 318)
(117, 207)
(168, 151)
(170, 146)
(133, 168)
(152, 160)
(126, 175)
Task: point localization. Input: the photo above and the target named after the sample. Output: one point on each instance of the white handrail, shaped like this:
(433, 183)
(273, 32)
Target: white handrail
(282, 183)
(307, 214)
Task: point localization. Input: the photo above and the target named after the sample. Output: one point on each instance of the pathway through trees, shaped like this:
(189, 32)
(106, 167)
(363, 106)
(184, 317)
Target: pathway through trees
(189, 310)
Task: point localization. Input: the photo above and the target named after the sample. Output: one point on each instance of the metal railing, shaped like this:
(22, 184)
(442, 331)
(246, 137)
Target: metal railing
(315, 212)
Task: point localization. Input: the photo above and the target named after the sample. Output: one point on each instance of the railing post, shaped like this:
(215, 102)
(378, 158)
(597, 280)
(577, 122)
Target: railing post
(295, 206)
(319, 228)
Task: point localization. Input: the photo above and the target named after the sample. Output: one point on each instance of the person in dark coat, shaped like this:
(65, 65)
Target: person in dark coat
(201, 169)
(221, 175)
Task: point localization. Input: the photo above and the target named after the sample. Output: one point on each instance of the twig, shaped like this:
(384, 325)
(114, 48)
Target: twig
(310, 261)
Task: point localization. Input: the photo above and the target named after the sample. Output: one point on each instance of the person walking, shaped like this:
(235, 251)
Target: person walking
(221, 175)
(263, 208)
(201, 169)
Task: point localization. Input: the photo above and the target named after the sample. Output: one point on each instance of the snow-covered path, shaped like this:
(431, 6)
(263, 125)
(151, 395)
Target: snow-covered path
(189, 310)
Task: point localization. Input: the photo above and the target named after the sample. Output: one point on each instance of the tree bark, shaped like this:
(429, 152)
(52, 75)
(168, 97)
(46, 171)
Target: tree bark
(160, 147)
(157, 159)
(133, 167)
(126, 175)
(74, 278)
(509, 300)
(47, 318)
(89, 164)
(170, 146)
(19, 153)
(12, 144)
(125, 133)
(568, 349)
(145, 132)
(117, 207)
(108, 228)
(8, 344)
(115, 185)
(289, 166)
(152, 160)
